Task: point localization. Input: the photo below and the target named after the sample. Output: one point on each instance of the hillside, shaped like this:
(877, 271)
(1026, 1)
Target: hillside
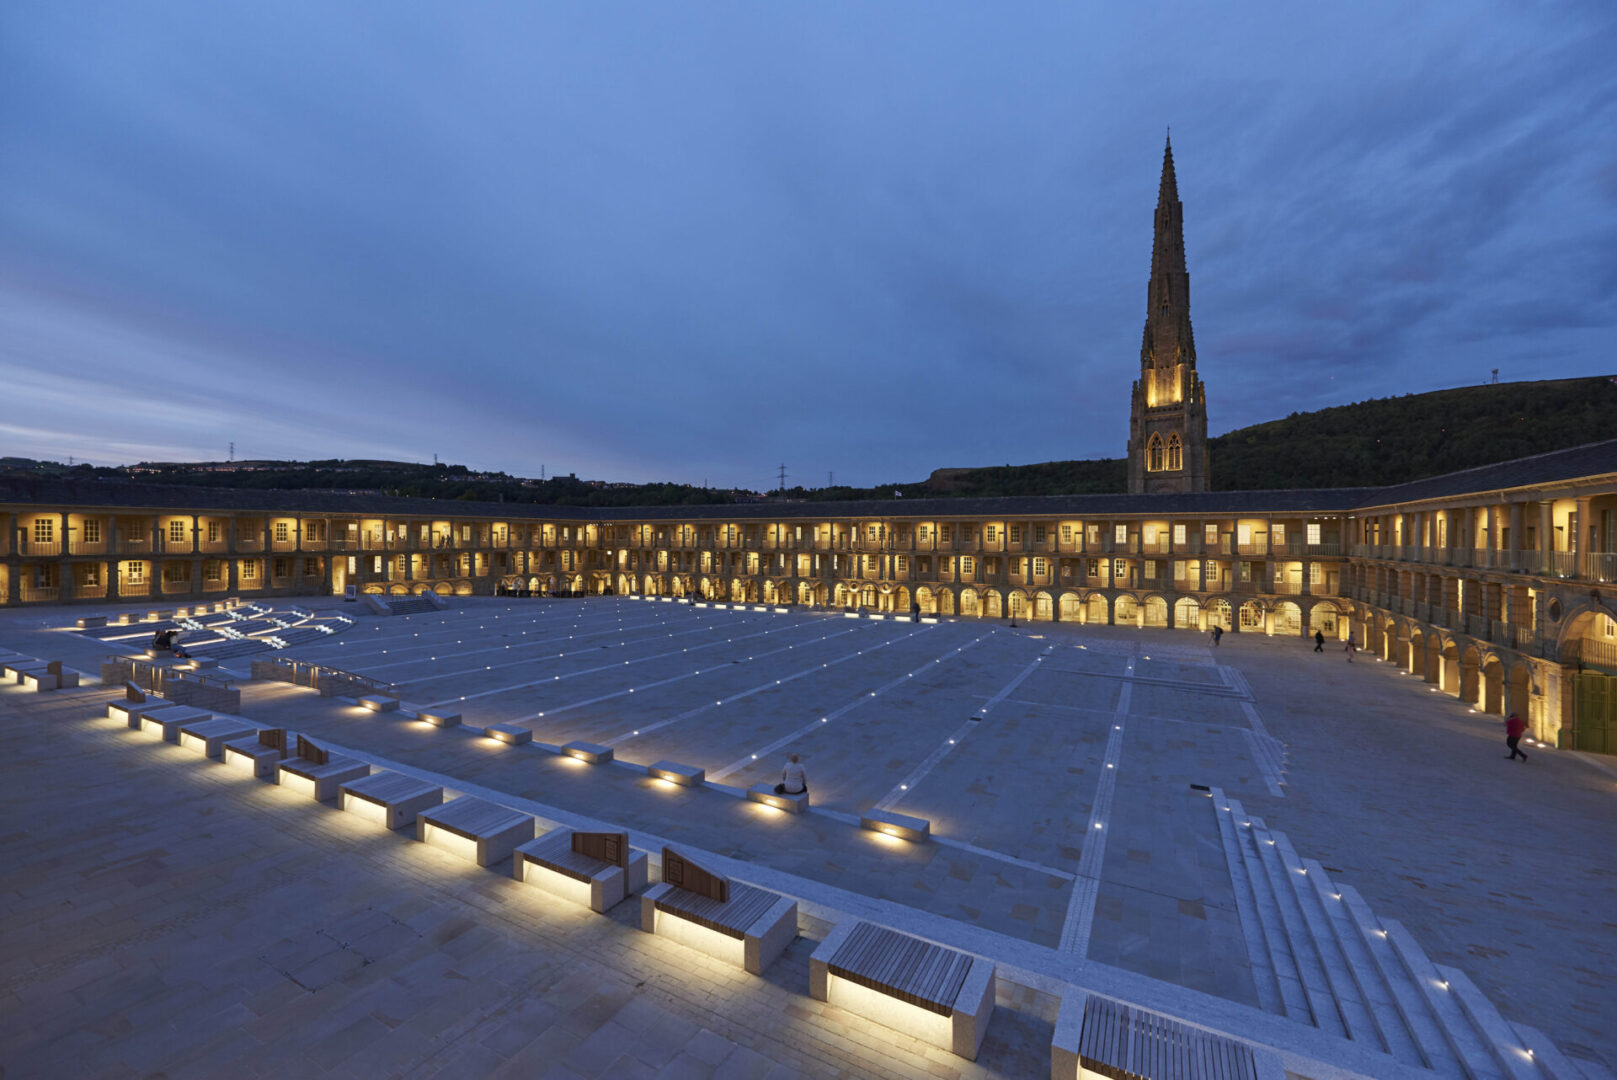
(1369, 443)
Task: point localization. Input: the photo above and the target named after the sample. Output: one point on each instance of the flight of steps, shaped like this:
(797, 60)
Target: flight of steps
(410, 605)
(1320, 956)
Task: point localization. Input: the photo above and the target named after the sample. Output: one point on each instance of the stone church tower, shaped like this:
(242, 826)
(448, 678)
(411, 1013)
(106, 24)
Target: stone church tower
(1168, 419)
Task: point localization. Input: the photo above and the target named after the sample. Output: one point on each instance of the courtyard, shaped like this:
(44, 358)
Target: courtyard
(1073, 777)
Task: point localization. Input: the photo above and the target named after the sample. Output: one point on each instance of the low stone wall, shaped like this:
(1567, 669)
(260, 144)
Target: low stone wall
(180, 687)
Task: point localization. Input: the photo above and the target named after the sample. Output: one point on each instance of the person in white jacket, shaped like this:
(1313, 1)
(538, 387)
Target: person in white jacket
(793, 780)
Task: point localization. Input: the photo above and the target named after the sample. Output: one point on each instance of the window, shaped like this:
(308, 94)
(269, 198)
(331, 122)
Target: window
(1038, 534)
(280, 568)
(1176, 456)
(1313, 532)
(1120, 533)
(965, 564)
(135, 572)
(91, 574)
(1179, 570)
(1120, 570)
(1094, 568)
(1153, 454)
(213, 532)
(872, 563)
(211, 570)
(870, 532)
(311, 567)
(921, 533)
(281, 532)
(1066, 534)
(1150, 569)
(1316, 573)
(176, 531)
(249, 569)
(1278, 534)
(1243, 534)
(1094, 535)
(903, 564)
(990, 533)
(92, 531)
(1038, 567)
(44, 530)
(1150, 533)
(1016, 534)
(946, 534)
(1179, 536)
(1212, 534)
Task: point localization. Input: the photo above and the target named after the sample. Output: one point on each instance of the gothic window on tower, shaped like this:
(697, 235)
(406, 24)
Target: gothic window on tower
(1176, 457)
(1153, 454)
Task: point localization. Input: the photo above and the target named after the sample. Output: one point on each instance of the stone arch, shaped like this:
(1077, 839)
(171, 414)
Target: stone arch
(968, 602)
(1253, 616)
(901, 600)
(1125, 609)
(1187, 613)
(1176, 453)
(1415, 656)
(1470, 675)
(1154, 453)
(1519, 691)
(1099, 612)
(1016, 604)
(1155, 611)
(1492, 697)
(928, 601)
(946, 601)
(1044, 607)
(1327, 617)
(1219, 613)
(993, 604)
(398, 588)
(1449, 667)
(1288, 618)
(1070, 606)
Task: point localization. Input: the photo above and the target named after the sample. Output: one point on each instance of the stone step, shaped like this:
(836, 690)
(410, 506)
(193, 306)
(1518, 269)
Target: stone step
(1282, 963)
(1367, 974)
(1310, 969)
(1509, 1052)
(1361, 1027)
(1246, 908)
(1467, 1044)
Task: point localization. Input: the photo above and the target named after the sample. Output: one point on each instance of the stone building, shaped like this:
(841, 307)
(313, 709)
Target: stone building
(1167, 449)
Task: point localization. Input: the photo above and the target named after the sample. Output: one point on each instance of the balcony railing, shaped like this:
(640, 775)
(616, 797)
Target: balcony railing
(30, 593)
(29, 546)
(134, 588)
(87, 547)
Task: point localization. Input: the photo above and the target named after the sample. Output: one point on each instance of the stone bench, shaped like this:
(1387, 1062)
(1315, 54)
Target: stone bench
(765, 793)
(391, 799)
(201, 663)
(166, 722)
(130, 710)
(730, 921)
(482, 831)
(438, 718)
(594, 753)
(258, 754)
(510, 734)
(379, 703)
(315, 772)
(1098, 1037)
(209, 736)
(916, 829)
(45, 675)
(939, 995)
(675, 773)
(597, 870)
(89, 621)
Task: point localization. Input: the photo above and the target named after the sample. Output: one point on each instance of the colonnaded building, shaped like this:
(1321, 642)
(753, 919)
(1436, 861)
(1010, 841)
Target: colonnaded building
(1493, 584)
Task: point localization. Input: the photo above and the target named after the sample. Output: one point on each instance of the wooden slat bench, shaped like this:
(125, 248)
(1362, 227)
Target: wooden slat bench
(130, 712)
(939, 995)
(258, 754)
(1098, 1037)
(731, 921)
(484, 832)
(391, 799)
(315, 772)
(208, 737)
(166, 722)
(595, 869)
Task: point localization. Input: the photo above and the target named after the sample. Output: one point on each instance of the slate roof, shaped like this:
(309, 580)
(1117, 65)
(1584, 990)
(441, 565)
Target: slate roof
(1592, 459)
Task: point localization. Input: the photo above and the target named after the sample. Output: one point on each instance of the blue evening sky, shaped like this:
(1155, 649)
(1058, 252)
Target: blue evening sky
(692, 241)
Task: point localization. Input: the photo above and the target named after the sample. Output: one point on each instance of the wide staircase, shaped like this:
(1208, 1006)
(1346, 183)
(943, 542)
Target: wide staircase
(1322, 957)
(411, 605)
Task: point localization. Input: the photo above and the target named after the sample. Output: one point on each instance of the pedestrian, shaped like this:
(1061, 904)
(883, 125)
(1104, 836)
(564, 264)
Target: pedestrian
(915, 611)
(1514, 727)
(1218, 632)
(1350, 649)
(1319, 641)
(793, 780)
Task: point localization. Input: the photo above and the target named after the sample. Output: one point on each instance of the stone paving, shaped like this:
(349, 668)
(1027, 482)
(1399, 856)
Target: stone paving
(1499, 869)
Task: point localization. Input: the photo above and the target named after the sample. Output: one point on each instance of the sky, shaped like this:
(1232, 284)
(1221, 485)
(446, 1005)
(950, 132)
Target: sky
(693, 242)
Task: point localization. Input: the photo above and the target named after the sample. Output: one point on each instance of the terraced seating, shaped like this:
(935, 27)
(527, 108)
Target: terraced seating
(939, 995)
(594, 869)
(1096, 1036)
(730, 921)
(410, 605)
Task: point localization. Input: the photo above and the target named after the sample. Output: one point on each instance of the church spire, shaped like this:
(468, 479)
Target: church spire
(1168, 426)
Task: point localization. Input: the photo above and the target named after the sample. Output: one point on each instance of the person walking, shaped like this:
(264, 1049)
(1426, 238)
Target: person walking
(1319, 641)
(793, 780)
(1218, 632)
(1515, 726)
(1350, 650)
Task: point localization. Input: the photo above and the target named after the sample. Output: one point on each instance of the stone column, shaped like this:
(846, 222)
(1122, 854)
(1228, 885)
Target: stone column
(1546, 534)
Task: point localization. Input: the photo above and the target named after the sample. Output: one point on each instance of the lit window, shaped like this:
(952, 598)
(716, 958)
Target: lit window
(1038, 567)
(1150, 568)
(1279, 534)
(1066, 534)
(1179, 535)
(1178, 570)
(991, 533)
(1038, 534)
(1313, 532)
(1153, 454)
(44, 530)
(280, 532)
(1016, 534)
(213, 534)
(92, 531)
(946, 534)
(965, 564)
(1120, 533)
(1176, 457)
(1212, 534)
(134, 571)
(249, 570)
(176, 531)
(211, 570)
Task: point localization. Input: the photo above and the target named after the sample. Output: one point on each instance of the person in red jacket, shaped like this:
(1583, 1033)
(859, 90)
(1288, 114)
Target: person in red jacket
(1514, 727)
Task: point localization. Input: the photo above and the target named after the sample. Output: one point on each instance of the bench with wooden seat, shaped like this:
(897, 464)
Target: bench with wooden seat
(315, 772)
(590, 868)
(482, 831)
(939, 995)
(166, 722)
(731, 921)
(52, 676)
(1097, 1037)
(257, 754)
(135, 702)
(208, 737)
(390, 799)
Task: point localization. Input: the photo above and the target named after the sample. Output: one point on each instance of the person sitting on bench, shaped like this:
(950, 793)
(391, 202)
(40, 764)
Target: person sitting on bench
(793, 780)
